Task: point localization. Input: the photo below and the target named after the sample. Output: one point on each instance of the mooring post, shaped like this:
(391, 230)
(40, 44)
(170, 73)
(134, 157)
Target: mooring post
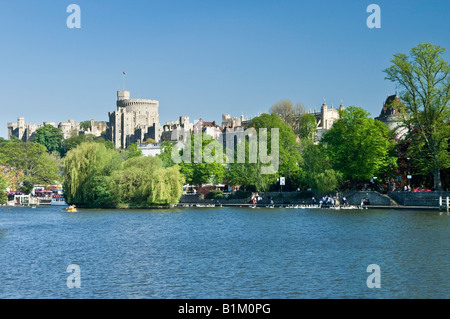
(448, 204)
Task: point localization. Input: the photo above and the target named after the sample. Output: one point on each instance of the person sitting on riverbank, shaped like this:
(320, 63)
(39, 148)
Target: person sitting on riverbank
(345, 201)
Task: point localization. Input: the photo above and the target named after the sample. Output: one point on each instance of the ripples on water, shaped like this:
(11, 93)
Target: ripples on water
(223, 253)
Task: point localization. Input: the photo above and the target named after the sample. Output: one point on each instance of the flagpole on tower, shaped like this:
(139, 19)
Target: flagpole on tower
(123, 81)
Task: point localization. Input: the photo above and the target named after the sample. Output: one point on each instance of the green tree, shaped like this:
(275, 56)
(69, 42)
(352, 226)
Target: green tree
(143, 181)
(198, 169)
(318, 171)
(87, 171)
(424, 77)
(32, 159)
(49, 136)
(307, 127)
(133, 151)
(74, 141)
(358, 146)
(4, 184)
(289, 158)
(289, 148)
(166, 154)
(85, 125)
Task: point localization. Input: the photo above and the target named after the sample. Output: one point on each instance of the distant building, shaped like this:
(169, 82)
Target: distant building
(177, 130)
(150, 149)
(23, 131)
(134, 121)
(325, 118)
(209, 128)
(70, 128)
(392, 117)
(26, 132)
(229, 121)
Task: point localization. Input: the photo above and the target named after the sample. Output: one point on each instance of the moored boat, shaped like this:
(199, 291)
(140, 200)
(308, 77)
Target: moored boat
(58, 198)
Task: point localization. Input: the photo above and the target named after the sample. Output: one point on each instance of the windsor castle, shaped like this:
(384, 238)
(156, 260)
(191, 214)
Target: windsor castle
(137, 121)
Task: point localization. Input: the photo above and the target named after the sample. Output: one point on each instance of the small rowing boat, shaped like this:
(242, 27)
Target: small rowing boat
(71, 209)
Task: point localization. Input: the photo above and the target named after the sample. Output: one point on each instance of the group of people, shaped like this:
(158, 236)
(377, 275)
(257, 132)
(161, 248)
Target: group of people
(328, 200)
(257, 199)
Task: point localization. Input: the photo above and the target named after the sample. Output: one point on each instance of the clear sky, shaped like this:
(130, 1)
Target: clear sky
(203, 58)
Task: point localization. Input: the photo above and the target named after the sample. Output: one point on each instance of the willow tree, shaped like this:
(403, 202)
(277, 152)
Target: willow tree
(143, 181)
(87, 171)
(424, 78)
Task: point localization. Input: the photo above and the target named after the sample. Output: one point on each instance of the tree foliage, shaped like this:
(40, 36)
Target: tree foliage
(206, 162)
(4, 184)
(49, 136)
(74, 141)
(85, 125)
(358, 146)
(87, 169)
(133, 150)
(249, 174)
(318, 173)
(31, 159)
(307, 127)
(99, 177)
(289, 113)
(143, 181)
(424, 77)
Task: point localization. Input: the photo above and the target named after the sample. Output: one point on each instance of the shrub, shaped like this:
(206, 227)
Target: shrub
(214, 195)
(240, 194)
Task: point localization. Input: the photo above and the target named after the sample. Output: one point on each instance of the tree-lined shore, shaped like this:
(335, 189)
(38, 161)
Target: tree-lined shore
(357, 151)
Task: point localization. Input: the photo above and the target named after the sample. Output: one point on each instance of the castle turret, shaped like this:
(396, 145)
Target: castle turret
(123, 95)
(324, 106)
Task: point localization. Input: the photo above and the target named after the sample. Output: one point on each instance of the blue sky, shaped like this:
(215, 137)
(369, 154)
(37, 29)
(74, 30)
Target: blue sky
(203, 58)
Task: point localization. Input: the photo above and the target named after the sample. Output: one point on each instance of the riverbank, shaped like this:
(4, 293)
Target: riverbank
(303, 200)
(393, 200)
(338, 207)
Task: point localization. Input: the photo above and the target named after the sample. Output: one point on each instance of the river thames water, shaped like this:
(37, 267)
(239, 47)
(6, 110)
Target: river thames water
(223, 253)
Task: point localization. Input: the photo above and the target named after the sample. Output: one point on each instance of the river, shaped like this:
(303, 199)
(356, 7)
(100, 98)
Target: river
(223, 253)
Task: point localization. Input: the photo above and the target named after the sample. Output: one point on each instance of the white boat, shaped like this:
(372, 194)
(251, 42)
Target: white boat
(58, 200)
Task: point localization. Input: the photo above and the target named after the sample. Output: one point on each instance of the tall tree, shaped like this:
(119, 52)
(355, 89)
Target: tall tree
(133, 150)
(358, 146)
(49, 136)
(289, 113)
(143, 181)
(307, 127)
(424, 77)
(288, 158)
(32, 160)
(206, 164)
(74, 141)
(87, 171)
(317, 169)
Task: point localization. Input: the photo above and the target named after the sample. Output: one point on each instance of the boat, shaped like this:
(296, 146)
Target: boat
(58, 199)
(71, 209)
